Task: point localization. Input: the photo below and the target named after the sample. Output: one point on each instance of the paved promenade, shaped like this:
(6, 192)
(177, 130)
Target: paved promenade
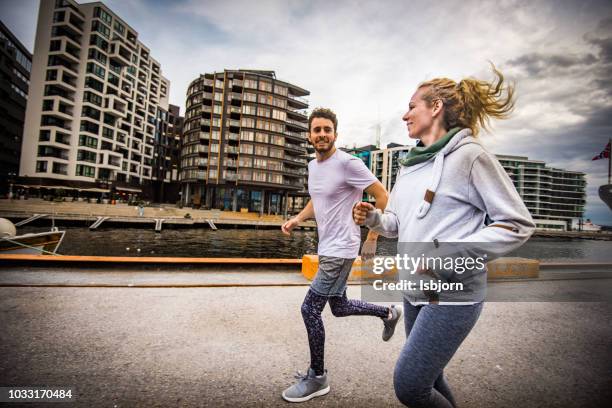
(39, 206)
(239, 346)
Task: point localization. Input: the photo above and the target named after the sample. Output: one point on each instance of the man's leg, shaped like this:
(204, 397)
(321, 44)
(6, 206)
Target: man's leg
(312, 307)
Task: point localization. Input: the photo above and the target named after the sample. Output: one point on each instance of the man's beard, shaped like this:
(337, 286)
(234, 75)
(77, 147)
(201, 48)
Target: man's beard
(323, 150)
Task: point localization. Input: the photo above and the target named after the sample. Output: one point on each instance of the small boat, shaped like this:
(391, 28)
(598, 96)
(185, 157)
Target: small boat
(45, 243)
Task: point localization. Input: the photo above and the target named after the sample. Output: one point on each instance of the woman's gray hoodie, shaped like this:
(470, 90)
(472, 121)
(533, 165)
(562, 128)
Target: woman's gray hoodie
(447, 198)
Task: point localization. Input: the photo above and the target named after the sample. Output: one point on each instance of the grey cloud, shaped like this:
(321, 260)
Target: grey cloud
(536, 63)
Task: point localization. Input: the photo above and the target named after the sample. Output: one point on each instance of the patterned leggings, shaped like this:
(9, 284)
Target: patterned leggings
(340, 306)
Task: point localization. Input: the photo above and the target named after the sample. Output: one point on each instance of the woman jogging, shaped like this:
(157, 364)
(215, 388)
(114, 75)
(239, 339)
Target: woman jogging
(446, 188)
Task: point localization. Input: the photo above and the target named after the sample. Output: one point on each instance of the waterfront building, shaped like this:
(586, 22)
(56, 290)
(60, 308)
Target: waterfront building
(96, 99)
(244, 143)
(384, 163)
(15, 67)
(554, 197)
(168, 133)
(364, 153)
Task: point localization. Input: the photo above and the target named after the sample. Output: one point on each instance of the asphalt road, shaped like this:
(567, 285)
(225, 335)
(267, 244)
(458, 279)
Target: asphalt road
(166, 347)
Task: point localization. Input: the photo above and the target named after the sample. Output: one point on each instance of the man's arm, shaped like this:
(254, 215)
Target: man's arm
(306, 214)
(378, 191)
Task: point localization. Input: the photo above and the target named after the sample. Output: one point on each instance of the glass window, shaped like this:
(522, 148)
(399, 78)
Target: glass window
(102, 15)
(86, 171)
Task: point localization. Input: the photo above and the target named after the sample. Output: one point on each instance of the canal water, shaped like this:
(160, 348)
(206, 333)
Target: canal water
(251, 243)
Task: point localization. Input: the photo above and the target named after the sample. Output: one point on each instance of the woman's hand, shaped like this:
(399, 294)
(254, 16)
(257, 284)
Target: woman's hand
(360, 211)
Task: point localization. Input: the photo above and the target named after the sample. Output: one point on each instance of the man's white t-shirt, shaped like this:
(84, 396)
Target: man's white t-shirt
(335, 186)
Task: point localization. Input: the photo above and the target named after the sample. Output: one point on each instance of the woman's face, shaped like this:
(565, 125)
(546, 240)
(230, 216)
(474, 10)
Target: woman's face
(419, 118)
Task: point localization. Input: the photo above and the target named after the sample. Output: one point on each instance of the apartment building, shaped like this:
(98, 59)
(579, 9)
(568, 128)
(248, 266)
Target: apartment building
(96, 99)
(384, 163)
(15, 67)
(554, 197)
(168, 132)
(244, 143)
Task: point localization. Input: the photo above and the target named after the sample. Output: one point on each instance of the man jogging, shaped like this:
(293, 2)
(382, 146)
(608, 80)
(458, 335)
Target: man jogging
(336, 181)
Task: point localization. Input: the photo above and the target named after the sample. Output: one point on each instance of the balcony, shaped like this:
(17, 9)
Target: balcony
(297, 124)
(297, 101)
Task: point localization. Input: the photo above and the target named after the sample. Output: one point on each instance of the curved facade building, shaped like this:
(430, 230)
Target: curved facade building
(244, 143)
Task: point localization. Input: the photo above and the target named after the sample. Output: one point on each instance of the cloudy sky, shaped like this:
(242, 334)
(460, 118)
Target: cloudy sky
(365, 58)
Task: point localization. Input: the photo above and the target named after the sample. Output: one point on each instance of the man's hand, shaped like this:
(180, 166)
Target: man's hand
(360, 211)
(289, 225)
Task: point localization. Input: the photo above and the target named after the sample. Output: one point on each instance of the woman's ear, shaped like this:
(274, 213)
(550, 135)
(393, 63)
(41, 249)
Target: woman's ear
(437, 107)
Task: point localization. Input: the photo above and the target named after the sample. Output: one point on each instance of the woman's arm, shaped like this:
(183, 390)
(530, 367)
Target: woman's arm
(491, 190)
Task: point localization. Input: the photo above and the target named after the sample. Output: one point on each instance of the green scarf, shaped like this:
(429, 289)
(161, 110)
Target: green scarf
(420, 154)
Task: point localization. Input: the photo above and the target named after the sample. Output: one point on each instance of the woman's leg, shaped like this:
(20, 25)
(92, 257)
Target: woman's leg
(341, 306)
(435, 332)
(441, 385)
(312, 307)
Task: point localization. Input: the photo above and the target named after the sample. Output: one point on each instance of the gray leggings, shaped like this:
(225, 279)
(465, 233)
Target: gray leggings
(433, 335)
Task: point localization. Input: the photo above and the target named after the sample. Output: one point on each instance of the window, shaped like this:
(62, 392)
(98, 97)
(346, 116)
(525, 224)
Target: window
(41, 166)
(98, 42)
(90, 127)
(276, 152)
(96, 70)
(90, 112)
(92, 98)
(260, 163)
(47, 105)
(245, 161)
(103, 15)
(94, 84)
(246, 148)
(85, 171)
(280, 115)
(261, 111)
(55, 45)
(59, 16)
(88, 141)
(101, 28)
(107, 133)
(248, 109)
(261, 137)
(120, 28)
(267, 99)
(247, 122)
(261, 150)
(86, 155)
(277, 140)
(281, 90)
(97, 55)
(259, 176)
(113, 79)
(44, 136)
(51, 75)
(249, 97)
(247, 135)
(59, 168)
(250, 83)
(265, 86)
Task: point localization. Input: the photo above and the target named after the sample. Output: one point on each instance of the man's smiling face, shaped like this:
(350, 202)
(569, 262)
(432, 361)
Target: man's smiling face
(322, 135)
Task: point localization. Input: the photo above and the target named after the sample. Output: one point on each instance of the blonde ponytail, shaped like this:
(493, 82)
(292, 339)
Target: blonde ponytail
(471, 103)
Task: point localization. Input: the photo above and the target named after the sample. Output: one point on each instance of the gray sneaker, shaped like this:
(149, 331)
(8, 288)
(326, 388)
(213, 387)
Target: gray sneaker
(308, 387)
(390, 323)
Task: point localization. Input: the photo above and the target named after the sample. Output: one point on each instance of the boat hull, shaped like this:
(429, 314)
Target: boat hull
(605, 193)
(40, 243)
